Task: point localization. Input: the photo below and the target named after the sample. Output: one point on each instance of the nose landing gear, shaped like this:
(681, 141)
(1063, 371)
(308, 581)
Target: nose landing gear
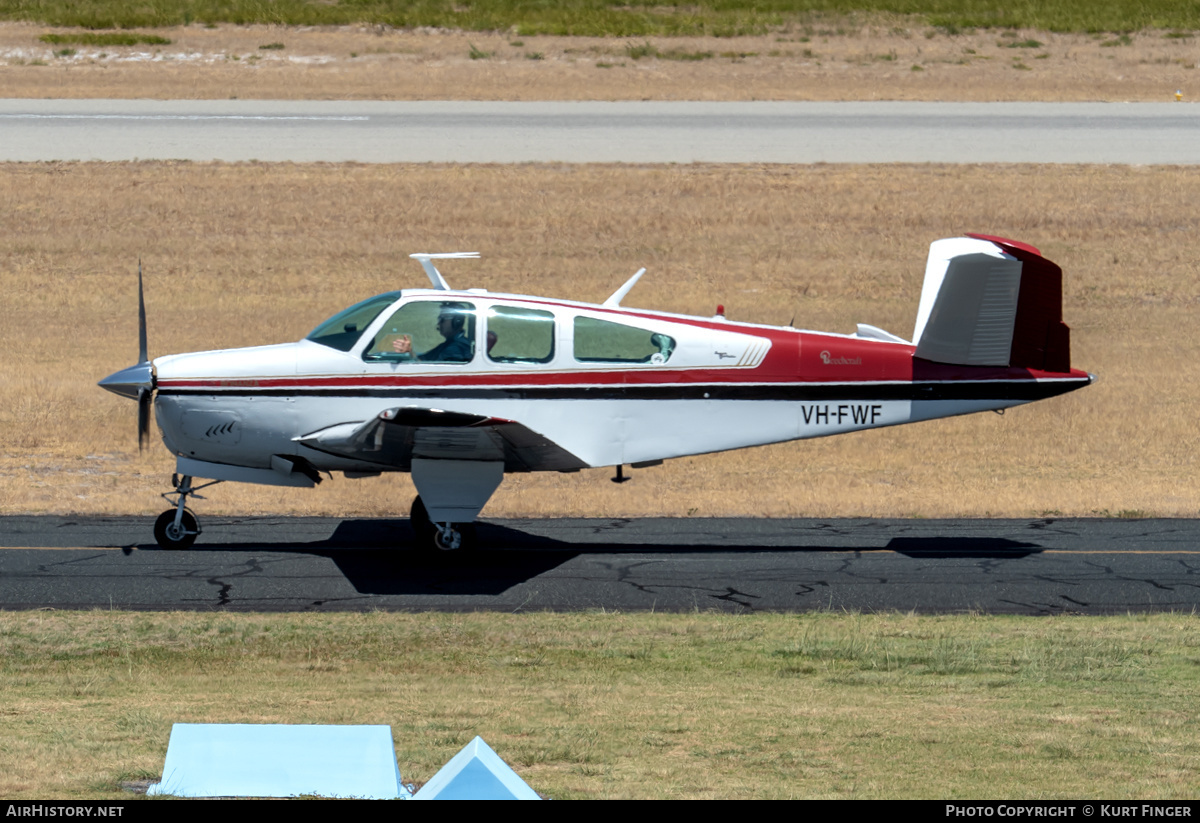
(177, 528)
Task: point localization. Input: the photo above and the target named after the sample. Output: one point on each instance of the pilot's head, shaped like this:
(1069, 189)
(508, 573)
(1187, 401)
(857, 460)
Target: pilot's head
(451, 320)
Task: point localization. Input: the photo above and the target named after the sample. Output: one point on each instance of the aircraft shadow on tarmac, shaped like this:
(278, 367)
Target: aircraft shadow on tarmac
(376, 555)
(995, 548)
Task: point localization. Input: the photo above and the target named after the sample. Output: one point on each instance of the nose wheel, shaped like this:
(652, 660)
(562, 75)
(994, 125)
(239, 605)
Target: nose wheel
(171, 535)
(177, 528)
(445, 537)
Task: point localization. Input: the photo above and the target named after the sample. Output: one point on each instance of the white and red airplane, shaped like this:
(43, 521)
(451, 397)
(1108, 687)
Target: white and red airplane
(460, 387)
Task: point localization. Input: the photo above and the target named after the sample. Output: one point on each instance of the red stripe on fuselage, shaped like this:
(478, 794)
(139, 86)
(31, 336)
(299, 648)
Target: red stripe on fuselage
(549, 379)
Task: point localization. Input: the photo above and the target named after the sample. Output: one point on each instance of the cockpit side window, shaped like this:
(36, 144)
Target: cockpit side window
(520, 335)
(342, 330)
(602, 341)
(426, 331)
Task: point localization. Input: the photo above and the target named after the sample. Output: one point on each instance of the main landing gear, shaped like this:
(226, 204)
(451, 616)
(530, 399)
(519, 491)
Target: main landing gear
(451, 493)
(176, 528)
(444, 537)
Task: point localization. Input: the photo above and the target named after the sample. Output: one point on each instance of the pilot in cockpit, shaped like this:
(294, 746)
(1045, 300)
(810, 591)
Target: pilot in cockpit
(451, 324)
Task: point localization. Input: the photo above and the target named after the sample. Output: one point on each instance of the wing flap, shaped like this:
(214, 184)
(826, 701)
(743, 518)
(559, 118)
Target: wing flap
(395, 436)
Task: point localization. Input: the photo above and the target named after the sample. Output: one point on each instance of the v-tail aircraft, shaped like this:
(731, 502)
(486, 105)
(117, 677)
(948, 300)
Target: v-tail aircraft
(460, 387)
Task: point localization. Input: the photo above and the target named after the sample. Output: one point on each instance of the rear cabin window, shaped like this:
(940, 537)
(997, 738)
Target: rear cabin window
(426, 331)
(602, 341)
(519, 335)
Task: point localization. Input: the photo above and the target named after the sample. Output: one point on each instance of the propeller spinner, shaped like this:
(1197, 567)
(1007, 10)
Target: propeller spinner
(137, 382)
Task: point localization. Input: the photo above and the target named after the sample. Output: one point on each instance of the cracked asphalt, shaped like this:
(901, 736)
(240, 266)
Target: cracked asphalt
(1045, 566)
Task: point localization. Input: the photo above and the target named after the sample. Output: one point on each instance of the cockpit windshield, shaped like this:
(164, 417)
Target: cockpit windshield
(342, 330)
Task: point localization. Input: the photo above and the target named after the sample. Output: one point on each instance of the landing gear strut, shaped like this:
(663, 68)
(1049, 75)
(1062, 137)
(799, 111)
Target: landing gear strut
(176, 528)
(441, 536)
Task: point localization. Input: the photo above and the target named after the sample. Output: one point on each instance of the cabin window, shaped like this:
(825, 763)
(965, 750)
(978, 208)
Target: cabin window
(426, 331)
(342, 330)
(518, 335)
(602, 341)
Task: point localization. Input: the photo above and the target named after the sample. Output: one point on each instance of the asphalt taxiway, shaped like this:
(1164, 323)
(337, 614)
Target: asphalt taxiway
(1043, 566)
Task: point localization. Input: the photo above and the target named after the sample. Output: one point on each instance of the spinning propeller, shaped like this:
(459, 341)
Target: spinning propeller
(137, 382)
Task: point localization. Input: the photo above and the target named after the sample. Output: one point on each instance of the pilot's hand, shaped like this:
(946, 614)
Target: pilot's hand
(402, 344)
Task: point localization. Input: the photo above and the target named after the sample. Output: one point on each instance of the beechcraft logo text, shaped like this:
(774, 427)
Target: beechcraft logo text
(840, 361)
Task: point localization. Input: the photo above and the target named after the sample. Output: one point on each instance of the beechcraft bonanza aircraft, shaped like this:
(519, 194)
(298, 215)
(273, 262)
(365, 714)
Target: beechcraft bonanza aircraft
(459, 387)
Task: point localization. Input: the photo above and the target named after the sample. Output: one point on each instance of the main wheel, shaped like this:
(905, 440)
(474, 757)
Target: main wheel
(429, 535)
(170, 536)
(460, 540)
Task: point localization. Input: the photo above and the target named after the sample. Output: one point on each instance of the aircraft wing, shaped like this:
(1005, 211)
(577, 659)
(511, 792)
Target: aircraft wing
(395, 436)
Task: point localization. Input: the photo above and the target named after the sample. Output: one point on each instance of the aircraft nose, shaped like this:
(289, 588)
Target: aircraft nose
(130, 381)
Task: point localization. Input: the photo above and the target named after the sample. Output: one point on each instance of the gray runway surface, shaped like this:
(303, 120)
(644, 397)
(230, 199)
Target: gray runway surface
(598, 132)
(731, 565)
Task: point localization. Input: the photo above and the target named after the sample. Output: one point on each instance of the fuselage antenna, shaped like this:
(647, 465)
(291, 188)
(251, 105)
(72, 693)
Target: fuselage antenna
(435, 276)
(614, 302)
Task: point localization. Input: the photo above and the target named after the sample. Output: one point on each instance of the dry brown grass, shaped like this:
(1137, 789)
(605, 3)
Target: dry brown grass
(899, 60)
(246, 254)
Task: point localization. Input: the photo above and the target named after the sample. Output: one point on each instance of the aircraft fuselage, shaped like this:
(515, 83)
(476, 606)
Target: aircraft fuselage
(724, 386)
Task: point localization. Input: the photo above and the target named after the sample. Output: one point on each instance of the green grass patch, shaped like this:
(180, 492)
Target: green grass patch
(623, 705)
(637, 51)
(685, 56)
(640, 18)
(105, 38)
